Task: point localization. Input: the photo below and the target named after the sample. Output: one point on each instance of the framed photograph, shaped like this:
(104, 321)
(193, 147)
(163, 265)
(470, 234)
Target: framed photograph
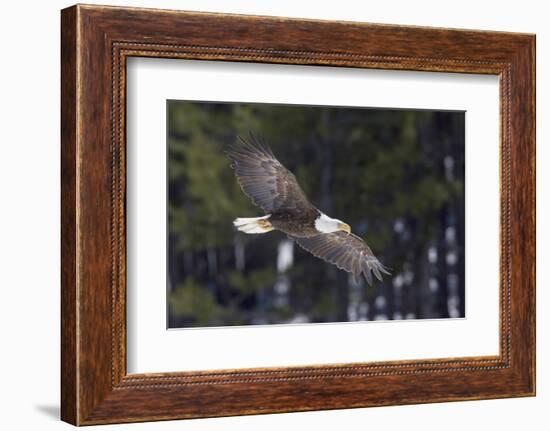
(264, 214)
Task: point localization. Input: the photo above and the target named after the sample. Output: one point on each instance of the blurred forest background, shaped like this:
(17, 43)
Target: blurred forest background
(396, 176)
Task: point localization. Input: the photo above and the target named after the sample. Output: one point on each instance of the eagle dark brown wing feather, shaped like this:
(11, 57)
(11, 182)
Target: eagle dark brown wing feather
(264, 179)
(347, 251)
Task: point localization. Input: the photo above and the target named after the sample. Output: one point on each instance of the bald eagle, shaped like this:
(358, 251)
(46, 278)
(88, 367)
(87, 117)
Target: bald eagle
(274, 189)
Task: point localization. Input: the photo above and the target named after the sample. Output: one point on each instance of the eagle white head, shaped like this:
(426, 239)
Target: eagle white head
(326, 224)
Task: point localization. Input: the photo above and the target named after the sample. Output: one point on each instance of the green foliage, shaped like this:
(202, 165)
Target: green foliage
(252, 282)
(191, 300)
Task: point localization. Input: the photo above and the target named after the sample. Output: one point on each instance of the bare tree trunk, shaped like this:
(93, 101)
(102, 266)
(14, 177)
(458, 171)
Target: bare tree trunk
(327, 161)
(285, 260)
(212, 261)
(239, 251)
(188, 261)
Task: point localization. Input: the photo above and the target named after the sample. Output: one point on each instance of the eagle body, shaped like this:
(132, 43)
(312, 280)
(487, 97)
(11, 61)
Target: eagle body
(274, 189)
(296, 224)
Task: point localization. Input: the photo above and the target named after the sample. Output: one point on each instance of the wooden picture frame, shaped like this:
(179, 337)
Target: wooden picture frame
(96, 41)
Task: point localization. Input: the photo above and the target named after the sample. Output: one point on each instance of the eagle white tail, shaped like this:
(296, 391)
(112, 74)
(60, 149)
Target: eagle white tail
(253, 224)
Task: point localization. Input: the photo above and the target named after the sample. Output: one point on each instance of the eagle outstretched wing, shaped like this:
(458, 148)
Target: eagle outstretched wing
(347, 251)
(264, 179)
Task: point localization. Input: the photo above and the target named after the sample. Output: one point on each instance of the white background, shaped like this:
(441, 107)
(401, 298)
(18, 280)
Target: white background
(29, 215)
(151, 348)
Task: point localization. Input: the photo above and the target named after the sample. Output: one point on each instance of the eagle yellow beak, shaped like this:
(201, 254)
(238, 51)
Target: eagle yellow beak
(345, 227)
